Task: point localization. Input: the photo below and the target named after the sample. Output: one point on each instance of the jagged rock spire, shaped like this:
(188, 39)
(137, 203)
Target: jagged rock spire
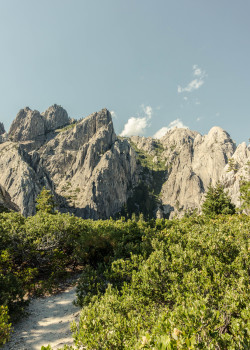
(2, 130)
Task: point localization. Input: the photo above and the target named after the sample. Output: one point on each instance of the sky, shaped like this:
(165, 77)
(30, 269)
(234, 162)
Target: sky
(155, 64)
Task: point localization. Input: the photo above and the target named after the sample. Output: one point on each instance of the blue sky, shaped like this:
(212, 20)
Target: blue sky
(155, 64)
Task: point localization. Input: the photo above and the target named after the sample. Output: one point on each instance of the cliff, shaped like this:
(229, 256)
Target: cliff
(95, 174)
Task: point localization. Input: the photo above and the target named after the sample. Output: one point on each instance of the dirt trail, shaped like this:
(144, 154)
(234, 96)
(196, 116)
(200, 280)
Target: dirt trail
(48, 322)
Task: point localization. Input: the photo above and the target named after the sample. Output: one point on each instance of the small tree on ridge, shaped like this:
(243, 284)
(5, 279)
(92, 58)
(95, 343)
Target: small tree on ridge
(45, 202)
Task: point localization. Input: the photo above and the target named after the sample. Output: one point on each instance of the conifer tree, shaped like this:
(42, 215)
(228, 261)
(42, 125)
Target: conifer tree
(45, 202)
(217, 201)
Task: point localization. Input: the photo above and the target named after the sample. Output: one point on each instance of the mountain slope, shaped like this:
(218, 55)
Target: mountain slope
(95, 174)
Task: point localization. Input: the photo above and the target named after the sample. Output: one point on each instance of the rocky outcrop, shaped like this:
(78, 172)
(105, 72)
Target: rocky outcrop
(31, 125)
(19, 177)
(192, 163)
(3, 134)
(87, 168)
(2, 130)
(5, 201)
(236, 171)
(28, 125)
(147, 144)
(198, 162)
(93, 173)
(55, 117)
(90, 167)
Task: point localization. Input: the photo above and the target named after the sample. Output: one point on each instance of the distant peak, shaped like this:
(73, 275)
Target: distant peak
(2, 130)
(216, 130)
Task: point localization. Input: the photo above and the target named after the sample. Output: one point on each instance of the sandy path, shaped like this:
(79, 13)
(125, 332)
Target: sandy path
(48, 322)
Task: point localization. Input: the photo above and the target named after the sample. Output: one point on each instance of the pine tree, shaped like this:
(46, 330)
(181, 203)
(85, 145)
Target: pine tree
(217, 201)
(45, 202)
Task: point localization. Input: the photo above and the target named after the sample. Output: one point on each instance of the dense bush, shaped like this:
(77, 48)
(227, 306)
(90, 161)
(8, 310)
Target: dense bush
(36, 252)
(190, 292)
(179, 284)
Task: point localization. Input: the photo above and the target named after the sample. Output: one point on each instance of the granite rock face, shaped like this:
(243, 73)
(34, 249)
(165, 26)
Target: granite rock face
(28, 125)
(239, 170)
(3, 134)
(17, 175)
(31, 125)
(5, 201)
(2, 130)
(90, 167)
(93, 173)
(55, 117)
(89, 170)
(192, 163)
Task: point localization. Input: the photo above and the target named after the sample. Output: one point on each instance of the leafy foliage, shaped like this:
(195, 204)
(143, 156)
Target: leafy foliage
(190, 292)
(5, 326)
(36, 252)
(217, 202)
(160, 284)
(45, 202)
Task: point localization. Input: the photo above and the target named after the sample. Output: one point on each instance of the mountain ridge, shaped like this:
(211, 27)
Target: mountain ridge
(94, 173)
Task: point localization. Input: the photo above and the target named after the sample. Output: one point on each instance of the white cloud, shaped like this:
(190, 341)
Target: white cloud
(197, 103)
(137, 126)
(195, 83)
(177, 123)
(197, 70)
(185, 98)
(198, 119)
(134, 126)
(148, 111)
(113, 114)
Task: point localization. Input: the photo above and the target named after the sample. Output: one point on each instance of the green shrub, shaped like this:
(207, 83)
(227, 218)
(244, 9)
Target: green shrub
(179, 284)
(217, 202)
(190, 292)
(5, 326)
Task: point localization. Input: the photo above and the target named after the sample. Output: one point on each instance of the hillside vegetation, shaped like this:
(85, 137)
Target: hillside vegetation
(160, 284)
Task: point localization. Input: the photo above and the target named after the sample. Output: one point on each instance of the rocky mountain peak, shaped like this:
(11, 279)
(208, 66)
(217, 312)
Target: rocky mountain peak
(30, 125)
(2, 130)
(27, 125)
(55, 117)
(178, 136)
(217, 134)
(93, 173)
